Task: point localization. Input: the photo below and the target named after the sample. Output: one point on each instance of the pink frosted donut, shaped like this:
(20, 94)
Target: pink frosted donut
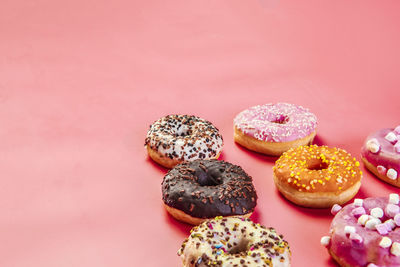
(381, 155)
(366, 233)
(274, 128)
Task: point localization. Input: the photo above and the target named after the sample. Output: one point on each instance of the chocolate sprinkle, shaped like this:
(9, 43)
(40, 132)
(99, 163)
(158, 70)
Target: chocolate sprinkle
(209, 188)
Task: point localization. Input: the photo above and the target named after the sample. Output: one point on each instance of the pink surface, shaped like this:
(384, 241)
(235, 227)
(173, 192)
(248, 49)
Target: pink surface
(81, 81)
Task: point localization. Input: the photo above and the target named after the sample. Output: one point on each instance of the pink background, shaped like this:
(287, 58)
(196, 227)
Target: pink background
(81, 81)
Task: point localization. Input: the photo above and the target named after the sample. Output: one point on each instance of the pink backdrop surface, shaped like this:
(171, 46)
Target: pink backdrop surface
(81, 81)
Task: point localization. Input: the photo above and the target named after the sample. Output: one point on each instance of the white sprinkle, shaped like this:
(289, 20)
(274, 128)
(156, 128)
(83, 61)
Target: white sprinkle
(325, 240)
(358, 202)
(391, 137)
(373, 145)
(349, 229)
(377, 212)
(395, 249)
(392, 174)
(394, 198)
(371, 223)
(363, 219)
(385, 242)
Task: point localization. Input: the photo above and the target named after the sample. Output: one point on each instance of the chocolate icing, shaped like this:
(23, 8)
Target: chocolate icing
(209, 188)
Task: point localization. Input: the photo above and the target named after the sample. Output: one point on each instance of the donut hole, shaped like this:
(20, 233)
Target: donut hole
(241, 247)
(280, 119)
(208, 177)
(317, 165)
(183, 130)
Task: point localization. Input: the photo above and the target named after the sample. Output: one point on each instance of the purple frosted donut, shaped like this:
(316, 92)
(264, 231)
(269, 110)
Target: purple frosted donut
(274, 128)
(366, 233)
(381, 154)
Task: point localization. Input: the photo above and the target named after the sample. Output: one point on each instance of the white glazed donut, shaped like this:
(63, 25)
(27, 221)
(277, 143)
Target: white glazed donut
(234, 241)
(177, 138)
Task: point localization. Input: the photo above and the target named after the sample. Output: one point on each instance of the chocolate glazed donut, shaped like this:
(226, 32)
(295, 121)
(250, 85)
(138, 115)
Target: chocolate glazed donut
(202, 189)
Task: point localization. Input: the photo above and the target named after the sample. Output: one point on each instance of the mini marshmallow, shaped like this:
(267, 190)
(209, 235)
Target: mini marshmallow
(369, 265)
(385, 242)
(391, 210)
(391, 137)
(397, 130)
(390, 223)
(363, 219)
(335, 209)
(394, 199)
(392, 174)
(356, 238)
(325, 240)
(373, 145)
(371, 223)
(381, 169)
(349, 229)
(395, 249)
(377, 212)
(358, 202)
(397, 219)
(357, 212)
(397, 147)
(382, 229)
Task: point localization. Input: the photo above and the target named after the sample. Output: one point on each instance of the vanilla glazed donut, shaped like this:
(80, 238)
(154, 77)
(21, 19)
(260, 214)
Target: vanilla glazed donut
(381, 155)
(194, 191)
(177, 138)
(366, 233)
(274, 128)
(317, 176)
(234, 242)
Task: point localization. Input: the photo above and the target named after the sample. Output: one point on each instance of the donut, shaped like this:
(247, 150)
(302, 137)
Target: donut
(234, 242)
(177, 138)
(366, 233)
(274, 128)
(317, 176)
(381, 155)
(194, 191)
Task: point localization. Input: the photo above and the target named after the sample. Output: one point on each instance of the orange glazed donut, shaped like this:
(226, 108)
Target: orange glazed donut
(317, 176)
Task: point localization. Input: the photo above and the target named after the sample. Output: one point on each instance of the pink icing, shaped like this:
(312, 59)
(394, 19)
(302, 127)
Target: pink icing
(280, 122)
(388, 156)
(357, 212)
(357, 253)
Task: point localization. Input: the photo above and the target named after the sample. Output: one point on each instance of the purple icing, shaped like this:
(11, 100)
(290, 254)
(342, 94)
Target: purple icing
(280, 122)
(387, 157)
(360, 254)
